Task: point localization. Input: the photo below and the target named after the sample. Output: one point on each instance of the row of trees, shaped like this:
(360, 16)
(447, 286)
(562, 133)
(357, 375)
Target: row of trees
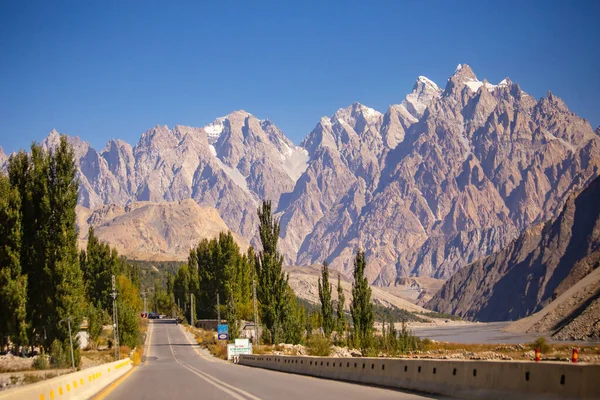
(44, 280)
(363, 316)
(361, 307)
(217, 268)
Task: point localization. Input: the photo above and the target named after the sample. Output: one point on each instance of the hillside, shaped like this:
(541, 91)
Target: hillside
(574, 315)
(304, 282)
(541, 265)
(154, 231)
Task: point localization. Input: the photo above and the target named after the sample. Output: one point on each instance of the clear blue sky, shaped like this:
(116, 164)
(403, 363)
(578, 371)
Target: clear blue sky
(112, 69)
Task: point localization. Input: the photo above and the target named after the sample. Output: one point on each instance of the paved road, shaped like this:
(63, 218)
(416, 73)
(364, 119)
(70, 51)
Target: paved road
(176, 369)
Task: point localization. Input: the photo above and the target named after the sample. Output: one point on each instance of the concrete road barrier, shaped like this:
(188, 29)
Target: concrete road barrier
(76, 385)
(458, 378)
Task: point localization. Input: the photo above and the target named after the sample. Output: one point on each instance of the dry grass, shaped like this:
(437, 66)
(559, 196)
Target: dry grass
(262, 349)
(218, 350)
(137, 355)
(203, 337)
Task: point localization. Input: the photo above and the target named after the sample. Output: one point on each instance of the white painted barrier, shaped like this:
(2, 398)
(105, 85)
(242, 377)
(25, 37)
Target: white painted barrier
(76, 385)
(457, 378)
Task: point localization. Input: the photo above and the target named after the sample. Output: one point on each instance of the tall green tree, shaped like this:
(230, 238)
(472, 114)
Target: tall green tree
(272, 281)
(361, 307)
(341, 325)
(13, 284)
(67, 298)
(129, 305)
(325, 290)
(29, 174)
(98, 263)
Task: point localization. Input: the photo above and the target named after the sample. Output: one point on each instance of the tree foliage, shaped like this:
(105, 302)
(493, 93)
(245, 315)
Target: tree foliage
(325, 290)
(361, 307)
(341, 324)
(42, 284)
(13, 284)
(272, 281)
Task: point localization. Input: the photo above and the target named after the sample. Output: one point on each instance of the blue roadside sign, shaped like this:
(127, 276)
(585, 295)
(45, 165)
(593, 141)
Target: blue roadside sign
(223, 332)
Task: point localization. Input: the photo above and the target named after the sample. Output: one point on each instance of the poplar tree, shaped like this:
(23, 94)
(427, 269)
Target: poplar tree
(67, 298)
(13, 284)
(361, 307)
(341, 316)
(28, 173)
(98, 263)
(325, 290)
(272, 281)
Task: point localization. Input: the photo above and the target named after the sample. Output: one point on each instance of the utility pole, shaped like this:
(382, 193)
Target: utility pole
(115, 320)
(71, 342)
(144, 294)
(192, 309)
(255, 312)
(70, 339)
(218, 310)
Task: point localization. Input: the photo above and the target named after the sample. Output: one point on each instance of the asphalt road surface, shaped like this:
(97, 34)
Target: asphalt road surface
(176, 369)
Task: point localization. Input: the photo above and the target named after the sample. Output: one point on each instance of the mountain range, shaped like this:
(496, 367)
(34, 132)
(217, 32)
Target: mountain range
(445, 177)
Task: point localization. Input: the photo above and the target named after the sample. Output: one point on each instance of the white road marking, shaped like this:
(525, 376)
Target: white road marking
(227, 388)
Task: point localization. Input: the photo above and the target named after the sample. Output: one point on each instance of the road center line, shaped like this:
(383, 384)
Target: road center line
(227, 388)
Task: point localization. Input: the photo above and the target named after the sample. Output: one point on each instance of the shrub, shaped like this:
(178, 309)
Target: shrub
(542, 344)
(58, 356)
(319, 345)
(41, 362)
(137, 355)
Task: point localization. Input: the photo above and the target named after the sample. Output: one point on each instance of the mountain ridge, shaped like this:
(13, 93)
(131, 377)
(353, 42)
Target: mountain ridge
(439, 180)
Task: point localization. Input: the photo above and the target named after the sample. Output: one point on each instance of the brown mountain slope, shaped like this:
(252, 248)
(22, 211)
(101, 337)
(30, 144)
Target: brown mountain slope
(304, 282)
(540, 265)
(574, 315)
(154, 231)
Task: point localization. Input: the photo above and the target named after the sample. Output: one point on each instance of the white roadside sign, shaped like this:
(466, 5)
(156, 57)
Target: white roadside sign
(241, 346)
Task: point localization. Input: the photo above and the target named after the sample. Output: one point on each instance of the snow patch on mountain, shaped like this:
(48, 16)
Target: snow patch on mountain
(233, 173)
(215, 128)
(296, 162)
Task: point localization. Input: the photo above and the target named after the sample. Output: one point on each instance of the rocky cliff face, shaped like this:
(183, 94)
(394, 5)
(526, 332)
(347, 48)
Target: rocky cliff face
(539, 266)
(447, 176)
(229, 165)
(440, 184)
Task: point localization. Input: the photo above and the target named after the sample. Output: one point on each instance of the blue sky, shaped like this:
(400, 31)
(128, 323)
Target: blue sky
(113, 69)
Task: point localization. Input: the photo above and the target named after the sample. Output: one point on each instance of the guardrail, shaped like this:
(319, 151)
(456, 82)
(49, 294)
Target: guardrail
(76, 385)
(458, 378)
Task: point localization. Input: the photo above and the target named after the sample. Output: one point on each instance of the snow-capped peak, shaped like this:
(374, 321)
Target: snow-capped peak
(351, 113)
(458, 68)
(427, 81)
(214, 129)
(424, 92)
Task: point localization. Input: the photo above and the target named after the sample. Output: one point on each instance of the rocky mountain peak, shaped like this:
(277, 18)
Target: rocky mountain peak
(424, 92)
(3, 158)
(464, 72)
(51, 141)
(355, 113)
(553, 101)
